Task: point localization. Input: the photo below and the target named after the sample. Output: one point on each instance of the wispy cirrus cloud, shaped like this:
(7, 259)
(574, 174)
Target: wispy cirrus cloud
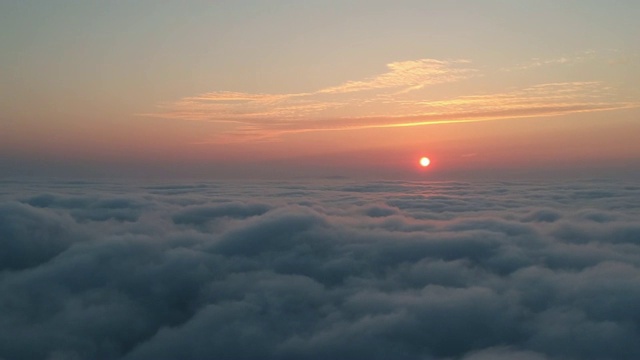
(561, 60)
(409, 75)
(400, 97)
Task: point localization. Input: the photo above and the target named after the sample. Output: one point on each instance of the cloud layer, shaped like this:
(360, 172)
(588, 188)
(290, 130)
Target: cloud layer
(402, 270)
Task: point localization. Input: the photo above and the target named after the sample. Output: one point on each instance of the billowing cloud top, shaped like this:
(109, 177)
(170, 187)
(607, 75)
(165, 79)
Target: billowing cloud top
(385, 270)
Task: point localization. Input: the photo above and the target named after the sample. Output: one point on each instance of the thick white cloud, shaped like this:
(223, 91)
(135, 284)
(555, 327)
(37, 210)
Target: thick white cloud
(320, 270)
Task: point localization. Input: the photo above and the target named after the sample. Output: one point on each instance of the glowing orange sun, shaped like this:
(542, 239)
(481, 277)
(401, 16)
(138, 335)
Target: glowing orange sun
(424, 161)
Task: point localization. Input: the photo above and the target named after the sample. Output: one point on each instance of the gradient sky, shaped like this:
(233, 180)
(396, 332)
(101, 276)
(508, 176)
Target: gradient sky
(319, 88)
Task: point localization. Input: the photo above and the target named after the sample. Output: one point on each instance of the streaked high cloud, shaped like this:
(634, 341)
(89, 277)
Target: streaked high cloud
(405, 95)
(335, 269)
(409, 75)
(562, 60)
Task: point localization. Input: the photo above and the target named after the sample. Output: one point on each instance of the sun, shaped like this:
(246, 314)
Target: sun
(424, 161)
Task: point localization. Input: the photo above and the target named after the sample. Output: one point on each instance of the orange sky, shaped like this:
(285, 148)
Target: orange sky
(312, 90)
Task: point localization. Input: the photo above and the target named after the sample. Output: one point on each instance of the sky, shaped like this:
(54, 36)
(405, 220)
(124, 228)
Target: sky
(255, 89)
